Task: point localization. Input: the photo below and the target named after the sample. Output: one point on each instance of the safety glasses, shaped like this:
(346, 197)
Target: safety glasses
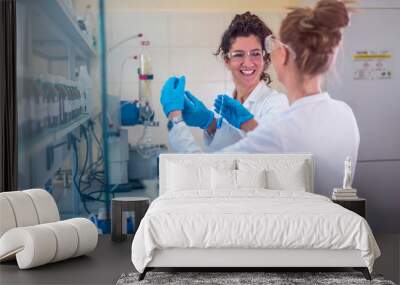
(272, 43)
(254, 55)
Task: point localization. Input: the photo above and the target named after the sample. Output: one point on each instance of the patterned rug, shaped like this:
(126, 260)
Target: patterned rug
(244, 278)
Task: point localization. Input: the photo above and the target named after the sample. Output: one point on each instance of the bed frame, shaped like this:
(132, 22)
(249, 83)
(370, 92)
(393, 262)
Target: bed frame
(249, 259)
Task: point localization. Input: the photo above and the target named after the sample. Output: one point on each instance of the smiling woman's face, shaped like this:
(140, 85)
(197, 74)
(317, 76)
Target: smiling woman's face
(246, 71)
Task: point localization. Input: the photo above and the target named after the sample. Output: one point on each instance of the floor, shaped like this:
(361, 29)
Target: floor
(389, 262)
(103, 266)
(110, 260)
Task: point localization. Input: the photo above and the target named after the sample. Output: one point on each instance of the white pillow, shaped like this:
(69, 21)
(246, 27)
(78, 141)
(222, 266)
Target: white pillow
(231, 180)
(251, 178)
(182, 177)
(223, 179)
(290, 178)
(283, 174)
(194, 174)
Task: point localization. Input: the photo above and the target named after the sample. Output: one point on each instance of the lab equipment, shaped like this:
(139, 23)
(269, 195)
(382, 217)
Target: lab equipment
(145, 145)
(118, 157)
(219, 117)
(145, 114)
(195, 113)
(43, 112)
(50, 91)
(139, 111)
(135, 36)
(145, 76)
(84, 22)
(140, 168)
(44, 102)
(61, 94)
(86, 89)
(100, 221)
(232, 110)
(50, 102)
(23, 108)
(34, 107)
(130, 113)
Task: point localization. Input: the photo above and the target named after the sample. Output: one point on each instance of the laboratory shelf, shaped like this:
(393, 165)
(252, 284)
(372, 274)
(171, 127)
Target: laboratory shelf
(50, 136)
(61, 15)
(51, 47)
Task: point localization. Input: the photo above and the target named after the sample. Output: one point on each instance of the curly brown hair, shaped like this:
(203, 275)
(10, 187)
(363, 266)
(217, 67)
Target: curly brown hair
(245, 25)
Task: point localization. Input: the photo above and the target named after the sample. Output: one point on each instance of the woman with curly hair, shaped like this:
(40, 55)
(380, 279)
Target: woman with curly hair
(243, 52)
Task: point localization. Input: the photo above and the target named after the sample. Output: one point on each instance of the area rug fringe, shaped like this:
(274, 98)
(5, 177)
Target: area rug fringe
(244, 278)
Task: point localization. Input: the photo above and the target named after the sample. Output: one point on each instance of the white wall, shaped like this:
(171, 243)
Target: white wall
(182, 43)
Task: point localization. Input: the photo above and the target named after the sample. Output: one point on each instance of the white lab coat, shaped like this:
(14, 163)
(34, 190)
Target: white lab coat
(263, 102)
(314, 124)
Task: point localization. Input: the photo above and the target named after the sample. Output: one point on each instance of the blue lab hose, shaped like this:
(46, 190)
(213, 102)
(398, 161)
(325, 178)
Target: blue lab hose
(103, 81)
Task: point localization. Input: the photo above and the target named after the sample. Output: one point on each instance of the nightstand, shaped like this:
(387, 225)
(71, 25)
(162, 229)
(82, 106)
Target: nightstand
(358, 206)
(118, 205)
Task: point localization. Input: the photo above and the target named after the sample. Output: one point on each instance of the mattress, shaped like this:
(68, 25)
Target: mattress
(253, 218)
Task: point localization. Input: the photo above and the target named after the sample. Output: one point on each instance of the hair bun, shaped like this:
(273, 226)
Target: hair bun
(307, 19)
(314, 34)
(331, 14)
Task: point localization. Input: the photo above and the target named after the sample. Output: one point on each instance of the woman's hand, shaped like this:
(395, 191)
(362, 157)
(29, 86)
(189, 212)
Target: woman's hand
(195, 113)
(172, 95)
(232, 111)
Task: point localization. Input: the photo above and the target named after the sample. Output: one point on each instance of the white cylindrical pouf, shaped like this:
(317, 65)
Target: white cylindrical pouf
(23, 207)
(34, 246)
(7, 218)
(67, 240)
(45, 205)
(87, 234)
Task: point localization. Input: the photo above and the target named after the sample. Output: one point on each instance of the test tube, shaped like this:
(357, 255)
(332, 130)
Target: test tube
(219, 116)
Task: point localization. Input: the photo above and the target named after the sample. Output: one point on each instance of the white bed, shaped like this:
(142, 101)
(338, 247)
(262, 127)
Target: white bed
(247, 210)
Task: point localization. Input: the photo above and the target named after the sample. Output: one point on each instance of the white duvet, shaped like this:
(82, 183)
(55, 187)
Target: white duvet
(250, 219)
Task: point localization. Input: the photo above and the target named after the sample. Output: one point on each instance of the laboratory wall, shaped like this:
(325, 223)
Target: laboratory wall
(183, 40)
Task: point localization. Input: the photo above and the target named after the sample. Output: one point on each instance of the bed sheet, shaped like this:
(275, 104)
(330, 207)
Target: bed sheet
(252, 218)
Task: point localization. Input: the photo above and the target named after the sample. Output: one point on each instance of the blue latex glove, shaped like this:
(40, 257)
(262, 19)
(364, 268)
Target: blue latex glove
(172, 95)
(195, 113)
(232, 110)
